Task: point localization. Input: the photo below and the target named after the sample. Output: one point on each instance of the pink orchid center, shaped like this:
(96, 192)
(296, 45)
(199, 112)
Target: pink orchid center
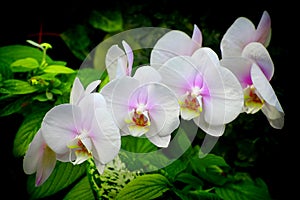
(140, 116)
(192, 100)
(77, 145)
(139, 120)
(252, 100)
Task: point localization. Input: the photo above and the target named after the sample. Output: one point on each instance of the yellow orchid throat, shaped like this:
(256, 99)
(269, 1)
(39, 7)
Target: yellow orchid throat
(191, 104)
(252, 100)
(139, 120)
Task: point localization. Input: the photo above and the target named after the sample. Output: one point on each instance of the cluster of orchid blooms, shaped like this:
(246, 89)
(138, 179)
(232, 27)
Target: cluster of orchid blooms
(184, 81)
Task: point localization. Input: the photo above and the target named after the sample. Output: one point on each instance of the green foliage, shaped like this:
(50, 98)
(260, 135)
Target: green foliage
(148, 186)
(82, 190)
(107, 20)
(62, 176)
(28, 129)
(31, 83)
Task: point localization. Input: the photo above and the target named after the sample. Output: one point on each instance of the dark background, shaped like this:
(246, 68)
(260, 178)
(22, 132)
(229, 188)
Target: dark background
(22, 20)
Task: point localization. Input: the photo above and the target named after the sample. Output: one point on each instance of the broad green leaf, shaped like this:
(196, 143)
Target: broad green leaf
(188, 193)
(14, 105)
(149, 186)
(211, 168)
(175, 168)
(27, 131)
(58, 69)
(137, 144)
(24, 65)
(15, 86)
(11, 53)
(107, 20)
(189, 179)
(63, 175)
(244, 190)
(82, 190)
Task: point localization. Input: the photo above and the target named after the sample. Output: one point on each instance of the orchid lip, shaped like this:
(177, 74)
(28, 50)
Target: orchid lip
(252, 100)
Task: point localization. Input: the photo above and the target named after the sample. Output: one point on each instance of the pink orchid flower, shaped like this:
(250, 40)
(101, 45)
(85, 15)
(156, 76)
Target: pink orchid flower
(83, 131)
(208, 94)
(141, 105)
(40, 158)
(243, 32)
(175, 43)
(254, 69)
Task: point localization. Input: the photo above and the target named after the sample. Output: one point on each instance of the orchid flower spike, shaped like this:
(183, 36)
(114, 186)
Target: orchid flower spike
(119, 62)
(175, 43)
(39, 159)
(208, 94)
(243, 32)
(141, 105)
(81, 131)
(254, 69)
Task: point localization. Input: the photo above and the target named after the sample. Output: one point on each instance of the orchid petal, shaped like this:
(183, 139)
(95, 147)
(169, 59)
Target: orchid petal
(160, 141)
(92, 86)
(60, 125)
(146, 74)
(204, 55)
(259, 54)
(274, 116)
(46, 166)
(105, 136)
(266, 91)
(197, 35)
(164, 110)
(178, 73)
(166, 48)
(239, 34)
(225, 102)
(115, 61)
(33, 154)
(240, 67)
(129, 54)
(88, 104)
(263, 30)
(39, 158)
(77, 91)
(213, 130)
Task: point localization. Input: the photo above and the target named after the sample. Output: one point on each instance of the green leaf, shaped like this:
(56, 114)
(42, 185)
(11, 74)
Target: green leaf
(149, 186)
(175, 168)
(14, 105)
(27, 131)
(137, 144)
(187, 194)
(24, 65)
(189, 179)
(82, 190)
(78, 41)
(211, 168)
(107, 20)
(58, 69)
(247, 190)
(11, 53)
(63, 175)
(14, 86)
